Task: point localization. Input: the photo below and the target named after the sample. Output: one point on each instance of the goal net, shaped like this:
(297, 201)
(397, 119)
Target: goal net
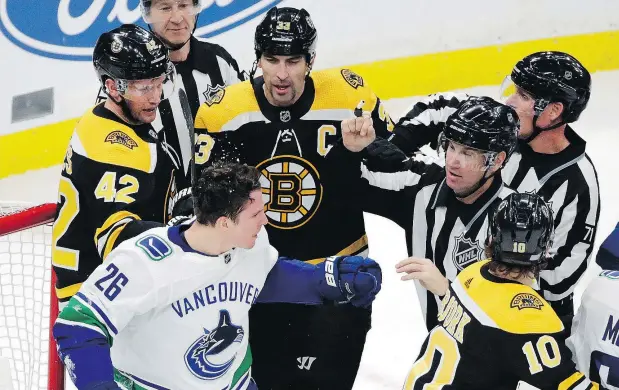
(28, 304)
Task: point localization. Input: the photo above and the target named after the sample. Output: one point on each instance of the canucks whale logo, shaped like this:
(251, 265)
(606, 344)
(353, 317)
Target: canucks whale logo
(68, 29)
(210, 356)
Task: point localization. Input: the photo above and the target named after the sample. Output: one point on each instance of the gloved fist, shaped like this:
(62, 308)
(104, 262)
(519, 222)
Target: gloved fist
(349, 279)
(384, 156)
(182, 203)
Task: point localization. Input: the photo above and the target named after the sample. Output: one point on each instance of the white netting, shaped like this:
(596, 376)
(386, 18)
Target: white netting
(25, 282)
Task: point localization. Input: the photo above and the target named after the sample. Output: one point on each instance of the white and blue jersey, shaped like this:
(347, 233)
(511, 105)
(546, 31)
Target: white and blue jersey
(159, 315)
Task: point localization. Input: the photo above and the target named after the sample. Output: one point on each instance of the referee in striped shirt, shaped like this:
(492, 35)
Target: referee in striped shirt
(549, 90)
(443, 209)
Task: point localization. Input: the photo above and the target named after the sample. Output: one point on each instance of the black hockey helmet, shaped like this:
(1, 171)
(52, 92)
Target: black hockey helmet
(130, 52)
(484, 124)
(521, 230)
(552, 76)
(286, 31)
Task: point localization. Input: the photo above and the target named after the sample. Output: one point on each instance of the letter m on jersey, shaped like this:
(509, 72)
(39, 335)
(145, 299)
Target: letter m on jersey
(155, 247)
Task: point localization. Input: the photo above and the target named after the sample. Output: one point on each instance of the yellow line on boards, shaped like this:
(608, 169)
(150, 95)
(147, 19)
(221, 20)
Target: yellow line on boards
(45, 146)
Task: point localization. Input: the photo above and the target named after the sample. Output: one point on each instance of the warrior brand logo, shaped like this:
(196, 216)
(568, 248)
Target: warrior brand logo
(305, 362)
(214, 95)
(291, 190)
(466, 252)
(68, 29)
(118, 137)
(467, 284)
(352, 78)
(211, 355)
(526, 301)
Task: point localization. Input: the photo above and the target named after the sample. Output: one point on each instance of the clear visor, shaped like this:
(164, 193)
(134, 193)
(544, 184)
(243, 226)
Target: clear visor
(164, 10)
(467, 156)
(161, 87)
(517, 98)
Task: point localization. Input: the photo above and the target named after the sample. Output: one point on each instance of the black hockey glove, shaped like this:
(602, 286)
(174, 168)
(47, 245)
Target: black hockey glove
(383, 156)
(349, 279)
(182, 207)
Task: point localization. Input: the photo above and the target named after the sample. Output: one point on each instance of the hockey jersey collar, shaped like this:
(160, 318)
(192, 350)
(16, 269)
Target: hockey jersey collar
(176, 234)
(284, 114)
(575, 150)
(144, 131)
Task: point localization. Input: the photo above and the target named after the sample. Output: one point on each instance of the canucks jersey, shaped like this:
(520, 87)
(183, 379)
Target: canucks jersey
(113, 173)
(307, 174)
(175, 318)
(595, 331)
(493, 333)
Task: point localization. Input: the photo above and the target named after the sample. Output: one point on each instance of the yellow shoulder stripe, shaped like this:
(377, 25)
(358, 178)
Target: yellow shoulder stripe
(111, 142)
(68, 292)
(106, 235)
(341, 89)
(237, 99)
(514, 307)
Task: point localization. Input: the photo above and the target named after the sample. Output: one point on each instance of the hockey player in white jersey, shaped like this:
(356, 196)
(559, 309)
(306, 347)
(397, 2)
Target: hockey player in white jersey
(595, 330)
(169, 308)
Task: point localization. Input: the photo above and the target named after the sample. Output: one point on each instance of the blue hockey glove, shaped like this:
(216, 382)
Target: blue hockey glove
(349, 279)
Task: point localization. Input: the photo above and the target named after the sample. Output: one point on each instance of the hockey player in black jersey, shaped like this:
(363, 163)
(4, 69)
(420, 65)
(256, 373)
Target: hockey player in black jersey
(203, 70)
(115, 170)
(287, 122)
(494, 330)
(443, 209)
(549, 90)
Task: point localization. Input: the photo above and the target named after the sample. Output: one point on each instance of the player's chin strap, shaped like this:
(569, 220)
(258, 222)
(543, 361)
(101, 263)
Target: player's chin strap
(538, 130)
(489, 163)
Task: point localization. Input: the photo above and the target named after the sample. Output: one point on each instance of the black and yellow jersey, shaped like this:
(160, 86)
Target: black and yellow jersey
(493, 333)
(113, 174)
(308, 176)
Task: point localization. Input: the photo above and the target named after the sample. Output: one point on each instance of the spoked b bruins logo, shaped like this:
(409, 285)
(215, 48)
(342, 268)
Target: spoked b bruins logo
(291, 191)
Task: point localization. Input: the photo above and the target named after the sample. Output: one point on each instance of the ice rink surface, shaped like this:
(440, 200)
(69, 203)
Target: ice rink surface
(397, 328)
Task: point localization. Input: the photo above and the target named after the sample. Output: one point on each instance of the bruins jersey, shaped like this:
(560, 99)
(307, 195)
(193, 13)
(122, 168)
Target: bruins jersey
(113, 174)
(493, 333)
(308, 177)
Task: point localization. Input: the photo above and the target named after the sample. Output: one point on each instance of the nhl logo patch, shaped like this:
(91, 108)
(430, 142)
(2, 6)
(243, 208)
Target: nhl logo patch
(214, 95)
(466, 252)
(352, 78)
(526, 301)
(285, 116)
(119, 137)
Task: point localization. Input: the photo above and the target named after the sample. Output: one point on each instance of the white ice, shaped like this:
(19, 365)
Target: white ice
(397, 329)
